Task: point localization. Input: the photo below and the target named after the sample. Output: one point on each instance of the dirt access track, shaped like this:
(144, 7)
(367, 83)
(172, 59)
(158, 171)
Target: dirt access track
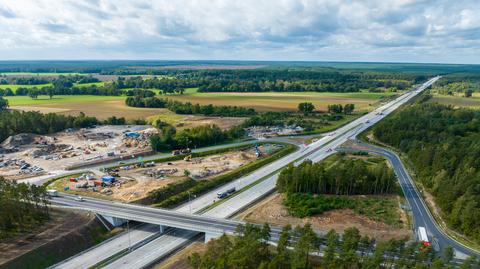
(61, 224)
(272, 211)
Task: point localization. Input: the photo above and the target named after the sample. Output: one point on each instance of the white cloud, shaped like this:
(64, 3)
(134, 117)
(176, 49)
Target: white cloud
(375, 30)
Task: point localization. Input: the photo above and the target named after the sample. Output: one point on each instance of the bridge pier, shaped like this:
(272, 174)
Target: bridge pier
(162, 228)
(210, 236)
(116, 222)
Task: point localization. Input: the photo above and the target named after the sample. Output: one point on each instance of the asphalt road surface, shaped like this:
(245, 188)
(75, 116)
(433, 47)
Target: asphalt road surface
(315, 151)
(420, 212)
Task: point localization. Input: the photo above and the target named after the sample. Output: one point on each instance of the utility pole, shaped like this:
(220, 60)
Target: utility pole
(189, 200)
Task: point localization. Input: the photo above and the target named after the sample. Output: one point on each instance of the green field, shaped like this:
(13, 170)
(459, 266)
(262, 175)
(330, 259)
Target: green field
(458, 101)
(39, 74)
(98, 84)
(15, 87)
(59, 99)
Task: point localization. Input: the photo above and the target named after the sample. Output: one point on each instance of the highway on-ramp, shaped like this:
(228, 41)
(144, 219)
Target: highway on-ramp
(420, 212)
(263, 181)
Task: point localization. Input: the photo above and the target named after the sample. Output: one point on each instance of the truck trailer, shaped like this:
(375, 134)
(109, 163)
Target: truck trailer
(422, 236)
(52, 193)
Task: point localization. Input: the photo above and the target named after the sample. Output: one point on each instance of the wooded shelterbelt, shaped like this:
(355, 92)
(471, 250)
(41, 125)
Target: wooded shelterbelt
(200, 136)
(249, 249)
(189, 108)
(443, 144)
(22, 207)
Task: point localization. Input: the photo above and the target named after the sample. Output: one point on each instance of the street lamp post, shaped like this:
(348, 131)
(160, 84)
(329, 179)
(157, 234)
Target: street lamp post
(129, 241)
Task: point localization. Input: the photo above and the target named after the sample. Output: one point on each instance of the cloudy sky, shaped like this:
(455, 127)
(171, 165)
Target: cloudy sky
(324, 30)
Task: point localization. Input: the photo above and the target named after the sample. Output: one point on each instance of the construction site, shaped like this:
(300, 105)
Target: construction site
(26, 155)
(133, 182)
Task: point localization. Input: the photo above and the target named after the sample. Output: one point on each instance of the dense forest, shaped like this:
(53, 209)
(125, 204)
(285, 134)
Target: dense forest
(188, 108)
(249, 249)
(313, 188)
(299, 81)
(22, 207)
(348, 176)
(443, 144)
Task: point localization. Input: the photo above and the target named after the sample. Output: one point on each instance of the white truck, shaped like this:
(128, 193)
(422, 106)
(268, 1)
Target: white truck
(422, 236)
(52, 193)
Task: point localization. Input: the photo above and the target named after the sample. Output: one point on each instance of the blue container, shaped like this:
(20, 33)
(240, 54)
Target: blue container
(108, 179)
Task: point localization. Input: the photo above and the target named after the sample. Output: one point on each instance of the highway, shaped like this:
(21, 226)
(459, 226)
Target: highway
(267, 175)
(89, 258)
(150, 215)
(420, 212)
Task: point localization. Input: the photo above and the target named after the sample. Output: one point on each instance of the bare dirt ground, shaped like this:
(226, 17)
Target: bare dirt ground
(223, 123)
(271, 210)
(58, 151)
(180, 259)
(134, 183)
(62, 223)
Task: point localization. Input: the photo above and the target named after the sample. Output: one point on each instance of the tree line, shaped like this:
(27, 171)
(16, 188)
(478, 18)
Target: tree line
(442, 143)
(23, 80)
(22, 207)
(189, 108)
(295, 249)
(14, 122)
(339, 108)
(298, 80)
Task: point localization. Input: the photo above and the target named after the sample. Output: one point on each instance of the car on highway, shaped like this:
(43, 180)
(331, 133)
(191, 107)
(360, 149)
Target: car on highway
(222, 195)
(79, 199)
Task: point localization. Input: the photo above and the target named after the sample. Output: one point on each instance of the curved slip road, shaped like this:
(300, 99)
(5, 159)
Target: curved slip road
(420, 212)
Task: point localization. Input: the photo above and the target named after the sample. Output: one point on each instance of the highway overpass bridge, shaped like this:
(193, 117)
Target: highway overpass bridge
(120, 212)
